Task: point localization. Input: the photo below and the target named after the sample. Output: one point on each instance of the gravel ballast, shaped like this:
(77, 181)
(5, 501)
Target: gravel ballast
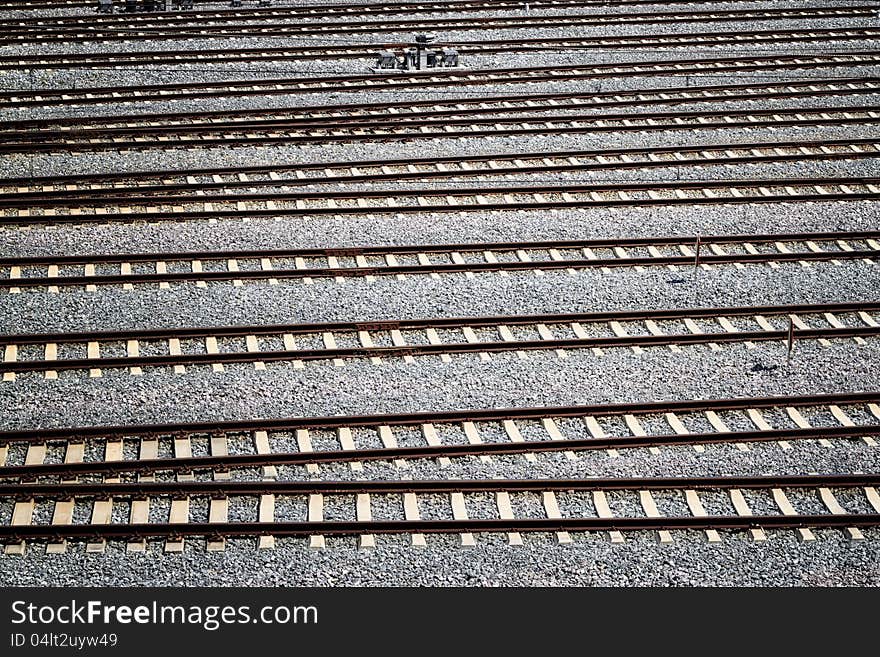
(428, 384)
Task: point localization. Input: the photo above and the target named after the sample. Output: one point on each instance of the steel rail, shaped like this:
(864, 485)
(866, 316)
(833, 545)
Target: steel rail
(408, 131)
(661, 96)
(229, 488)
(811, 190)
(701, 156)
(183, 174)
(358, 51)
(213, 30)
(326, 129)
(436, 322)
(384, 5)
(229, 462)
(433, 78)
(448, 249)
(353, 528)
(445, 417)
(488, 346)
(354, 10)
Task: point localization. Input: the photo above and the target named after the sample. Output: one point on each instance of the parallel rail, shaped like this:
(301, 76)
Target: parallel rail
(233, 133)
(55, 271)
(466, 433)
(483, 47)
(166, 31)
(507, 494)
(21, 98)
(438, 336)
(427, 200)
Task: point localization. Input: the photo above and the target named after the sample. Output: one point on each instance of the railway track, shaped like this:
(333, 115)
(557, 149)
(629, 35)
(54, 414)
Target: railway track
(375, 201)
(22, 98)
(95, 190)
(309, 131)
(561, 504)
(95, 352)
(500, 105)
(236, 29)
(482, 47)
(347, 7)
(325, 11)
(56, 271)
(223, 446)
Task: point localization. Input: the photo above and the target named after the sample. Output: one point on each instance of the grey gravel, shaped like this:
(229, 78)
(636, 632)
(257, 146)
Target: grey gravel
(467, 382)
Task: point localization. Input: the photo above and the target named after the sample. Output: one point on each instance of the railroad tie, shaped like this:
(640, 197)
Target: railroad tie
(23, 510)
(695, 328)
(655, 253)
(365, 514)
(433, 440)
(300, 263)
(653, 329)
(473, 438)
(290, 345)
(596, 431)
(218, 510)
(490, 258)
(132, 350)
(551, 508)
(750, 248)
(411, 513)
(545, 333)
(743, 509)
(316, 514)
(761, 423)
(650, 507)
(719, 426)
(782, 248)
(434, 339)
(787, 509)
(346, 441)
(730, 328)
(102, 509)
(554, 433)
(458, 259)
(10, 355)
(196, 268)
(505, 512)
(386, 435)
(94, 353)
(831, 318)
(304, 443)
(124, 270)
(253, 347)
(366, 341)
(635, 427)
(699, 511)
(62, 514)
(174, 350)
(831, 503)
(425, 261)
(212, 349)
(621, 332)
(14, 273)
(162, 269)
(53, 273)
(391, 261)
(140, 508)
(398, 340)
(717, 249)
(329, 341)
(801, 325)
(507, 335)
(459, 512)
(679, 428)
(266, 265)
(802, 423)
(600, 502)
(845, 420)
(515, 436)
(581, 334)
(471, 337)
